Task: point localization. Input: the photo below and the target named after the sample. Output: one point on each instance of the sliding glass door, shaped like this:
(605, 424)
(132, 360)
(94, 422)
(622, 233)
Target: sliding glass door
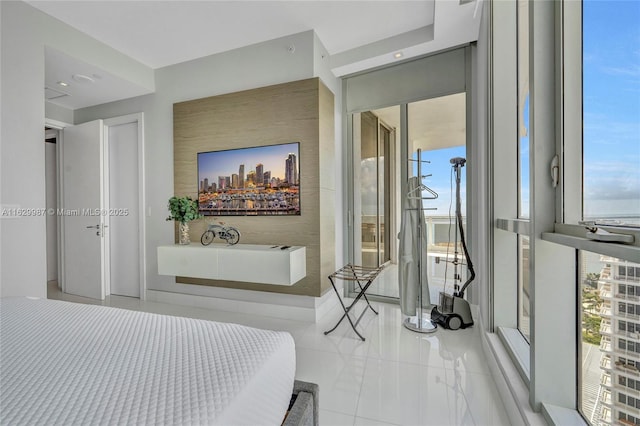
(374, 164)
(437, 127)
(390, 112)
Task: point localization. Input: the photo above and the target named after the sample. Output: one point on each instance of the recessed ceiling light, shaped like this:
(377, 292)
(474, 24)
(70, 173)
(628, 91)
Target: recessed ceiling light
(397, 55)
(63, 84)
(81, 78)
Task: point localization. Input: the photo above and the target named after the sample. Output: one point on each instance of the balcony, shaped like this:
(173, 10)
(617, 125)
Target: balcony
(632, 355)
(627, 368)
(625, 315)
(629, 336)
(627, 415)
(623, 297)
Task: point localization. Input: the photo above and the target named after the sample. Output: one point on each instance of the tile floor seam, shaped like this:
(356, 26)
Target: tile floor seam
(364, 371)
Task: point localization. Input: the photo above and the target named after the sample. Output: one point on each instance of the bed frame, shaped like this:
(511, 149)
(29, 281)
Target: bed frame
(305, 409)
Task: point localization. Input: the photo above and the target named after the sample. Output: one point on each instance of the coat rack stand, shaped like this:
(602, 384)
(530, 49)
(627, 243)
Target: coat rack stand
(419, 323)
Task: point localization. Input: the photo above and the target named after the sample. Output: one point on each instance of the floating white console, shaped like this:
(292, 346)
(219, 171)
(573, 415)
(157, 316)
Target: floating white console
(241, 262)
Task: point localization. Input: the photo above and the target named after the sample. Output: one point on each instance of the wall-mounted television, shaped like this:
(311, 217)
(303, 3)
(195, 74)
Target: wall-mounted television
(257, 181)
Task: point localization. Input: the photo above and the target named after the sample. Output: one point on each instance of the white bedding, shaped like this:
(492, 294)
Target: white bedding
(71, 364)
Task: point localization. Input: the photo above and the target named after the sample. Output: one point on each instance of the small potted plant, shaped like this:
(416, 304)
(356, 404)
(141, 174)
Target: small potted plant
(183, 210)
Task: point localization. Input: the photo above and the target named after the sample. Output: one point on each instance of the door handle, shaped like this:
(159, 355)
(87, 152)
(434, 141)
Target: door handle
(94, 226)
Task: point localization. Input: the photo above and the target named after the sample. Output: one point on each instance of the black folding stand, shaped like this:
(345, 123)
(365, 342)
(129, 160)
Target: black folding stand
(359, 274)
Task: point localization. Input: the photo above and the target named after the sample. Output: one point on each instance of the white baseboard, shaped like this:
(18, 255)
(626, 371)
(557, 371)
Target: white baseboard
(308, 308)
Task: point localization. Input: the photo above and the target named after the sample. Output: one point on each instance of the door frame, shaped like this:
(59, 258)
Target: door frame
(126, 119)
(59, 126)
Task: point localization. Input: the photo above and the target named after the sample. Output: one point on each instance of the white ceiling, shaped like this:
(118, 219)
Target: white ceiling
(433, 123)
(79, 91)
(161, 33)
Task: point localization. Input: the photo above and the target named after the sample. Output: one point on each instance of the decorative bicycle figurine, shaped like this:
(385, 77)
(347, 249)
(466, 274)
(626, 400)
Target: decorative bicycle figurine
(228, 233)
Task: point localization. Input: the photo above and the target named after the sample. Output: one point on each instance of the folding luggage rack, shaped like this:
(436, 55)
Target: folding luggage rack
(363, 276)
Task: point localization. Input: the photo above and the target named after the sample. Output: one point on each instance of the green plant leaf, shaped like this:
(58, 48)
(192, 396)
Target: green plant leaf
(183, 209)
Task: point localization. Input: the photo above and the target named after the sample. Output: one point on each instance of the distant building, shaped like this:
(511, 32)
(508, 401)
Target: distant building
(251, 179)
(259, 174)
(619, 390)
(291, 169)
(221, 182)
(267, 178)
(241, 176)
(206, 184)
(234, 181)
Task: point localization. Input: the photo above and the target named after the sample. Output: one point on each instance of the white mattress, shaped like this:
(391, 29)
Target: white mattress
(71, 364)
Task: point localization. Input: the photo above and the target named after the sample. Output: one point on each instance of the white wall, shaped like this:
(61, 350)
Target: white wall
(24, 33)
(58, 113)
(245, 68)
(322, 69)
(480, 182)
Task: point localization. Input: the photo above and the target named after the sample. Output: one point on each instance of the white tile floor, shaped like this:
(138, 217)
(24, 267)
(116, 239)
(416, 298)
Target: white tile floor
(395, 377)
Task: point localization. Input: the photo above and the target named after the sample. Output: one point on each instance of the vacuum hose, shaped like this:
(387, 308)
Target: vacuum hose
(458, 163)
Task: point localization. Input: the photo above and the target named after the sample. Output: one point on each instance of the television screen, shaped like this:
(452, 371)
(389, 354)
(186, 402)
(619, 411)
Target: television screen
(258, 181)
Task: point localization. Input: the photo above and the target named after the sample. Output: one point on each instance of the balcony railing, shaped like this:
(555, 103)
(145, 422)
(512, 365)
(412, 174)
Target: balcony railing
(627, 368)
(626, 297)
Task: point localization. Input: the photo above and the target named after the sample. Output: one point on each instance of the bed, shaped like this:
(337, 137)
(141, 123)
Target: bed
(68, 363)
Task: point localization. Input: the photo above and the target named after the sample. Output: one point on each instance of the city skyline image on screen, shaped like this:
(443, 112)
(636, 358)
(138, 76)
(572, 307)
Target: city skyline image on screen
(256, 181)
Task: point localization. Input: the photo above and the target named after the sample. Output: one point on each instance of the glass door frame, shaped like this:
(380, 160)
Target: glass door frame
(382, 147)
(431, 76)
(351, 246)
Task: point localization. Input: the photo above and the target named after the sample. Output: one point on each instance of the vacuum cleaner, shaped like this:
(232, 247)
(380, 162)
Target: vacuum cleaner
(453, 311)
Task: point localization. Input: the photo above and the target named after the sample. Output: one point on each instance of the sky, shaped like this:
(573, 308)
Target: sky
(611, 79)
(611, 126)
(442, 181)
(226, 163)
(611, 108)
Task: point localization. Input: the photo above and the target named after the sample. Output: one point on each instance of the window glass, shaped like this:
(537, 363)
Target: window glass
(524, 301)
(610, 338)
(523, 108)
(611, 111)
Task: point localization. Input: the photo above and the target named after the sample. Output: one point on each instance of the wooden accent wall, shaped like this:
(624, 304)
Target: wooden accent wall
(300, 111)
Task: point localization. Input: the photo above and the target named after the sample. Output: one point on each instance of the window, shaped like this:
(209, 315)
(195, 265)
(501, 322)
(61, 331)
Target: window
(629, 383)
(547, 108)
(523, 107)
(524, 300)
(611, 111)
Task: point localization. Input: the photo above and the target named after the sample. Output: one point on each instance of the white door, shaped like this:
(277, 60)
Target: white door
(124, 199)
(83, 204)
